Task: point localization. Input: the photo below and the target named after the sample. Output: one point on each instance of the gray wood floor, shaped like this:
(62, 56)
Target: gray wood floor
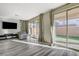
(11, 48)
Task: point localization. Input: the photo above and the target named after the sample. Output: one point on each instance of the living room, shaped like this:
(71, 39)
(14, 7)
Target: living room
(30, 30)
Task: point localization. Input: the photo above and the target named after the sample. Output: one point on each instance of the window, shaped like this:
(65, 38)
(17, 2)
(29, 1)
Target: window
(60, 29)
(34, 29)
(73, 28)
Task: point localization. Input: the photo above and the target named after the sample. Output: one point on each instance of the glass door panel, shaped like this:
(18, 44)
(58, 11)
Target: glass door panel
(73, 28)
(34, 29)
(60, 29)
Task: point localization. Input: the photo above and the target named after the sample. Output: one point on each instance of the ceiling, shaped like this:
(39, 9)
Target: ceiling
(25, 11)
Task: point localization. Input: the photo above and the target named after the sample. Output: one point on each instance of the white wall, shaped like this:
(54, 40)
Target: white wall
(6, 31)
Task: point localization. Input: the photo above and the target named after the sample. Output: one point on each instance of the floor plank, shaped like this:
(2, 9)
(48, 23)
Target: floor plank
(12, 48)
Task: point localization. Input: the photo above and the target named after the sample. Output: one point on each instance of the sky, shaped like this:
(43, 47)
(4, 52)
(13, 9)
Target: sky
(70, 22)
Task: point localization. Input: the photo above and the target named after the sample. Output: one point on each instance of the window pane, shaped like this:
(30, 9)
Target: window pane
(34, 29)
(60, 29)
(73, 28)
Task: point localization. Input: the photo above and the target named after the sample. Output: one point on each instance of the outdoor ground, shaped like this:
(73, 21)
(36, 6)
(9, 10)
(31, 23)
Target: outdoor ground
(73, 42)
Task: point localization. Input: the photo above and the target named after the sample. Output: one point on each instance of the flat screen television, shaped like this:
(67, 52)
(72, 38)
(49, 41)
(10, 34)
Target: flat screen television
(9, 25)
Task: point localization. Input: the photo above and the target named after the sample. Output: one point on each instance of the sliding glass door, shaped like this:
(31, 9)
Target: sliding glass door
(60, 29)
(37, 30)
(34, 29)
(31, 29)
(73, 28)
(66, 29)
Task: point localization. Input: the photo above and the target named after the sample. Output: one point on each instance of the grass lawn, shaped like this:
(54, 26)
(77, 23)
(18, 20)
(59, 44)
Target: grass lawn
(70, 37)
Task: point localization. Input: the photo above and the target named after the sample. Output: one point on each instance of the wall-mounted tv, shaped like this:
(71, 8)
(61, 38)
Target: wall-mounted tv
(9, 25)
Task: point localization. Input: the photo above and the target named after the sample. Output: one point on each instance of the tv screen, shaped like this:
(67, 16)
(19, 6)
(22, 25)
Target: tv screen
(9, 25)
